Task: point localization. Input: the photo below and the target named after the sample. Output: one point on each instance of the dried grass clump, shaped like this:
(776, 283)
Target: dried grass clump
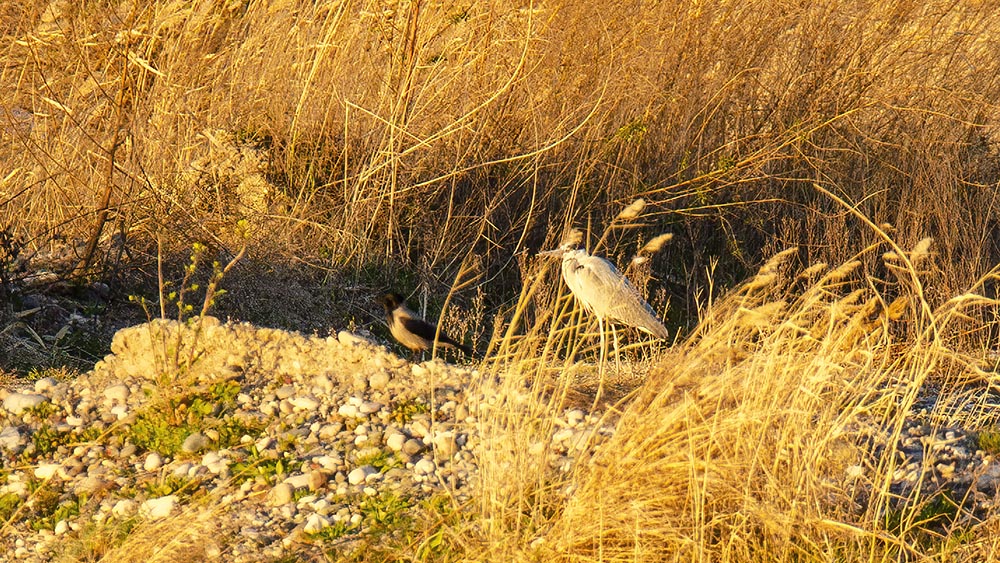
(383, 131)
(748, 441)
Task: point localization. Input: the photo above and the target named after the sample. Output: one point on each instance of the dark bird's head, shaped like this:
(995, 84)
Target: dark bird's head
(391, 301)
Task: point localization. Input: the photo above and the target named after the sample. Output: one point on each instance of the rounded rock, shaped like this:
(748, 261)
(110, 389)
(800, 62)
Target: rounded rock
(117, 393)
(156, 508)
(282, 493)
(315, 523)
(360, 475)
(379, 380)
(46, 470)
(10, 438)
(424, 467)
(153, 462)
(194, 443)
(17, 403)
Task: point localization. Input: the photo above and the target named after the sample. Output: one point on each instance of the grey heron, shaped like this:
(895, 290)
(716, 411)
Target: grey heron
(412, 331)
(605, 292)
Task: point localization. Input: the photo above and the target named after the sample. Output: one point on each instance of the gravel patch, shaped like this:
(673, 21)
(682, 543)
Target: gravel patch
(288, 437)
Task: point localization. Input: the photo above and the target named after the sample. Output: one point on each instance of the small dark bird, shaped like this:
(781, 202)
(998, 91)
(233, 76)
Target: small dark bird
(412, 331)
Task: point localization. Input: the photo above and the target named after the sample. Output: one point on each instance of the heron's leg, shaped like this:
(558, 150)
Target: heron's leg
(618, 360)
(601, 366)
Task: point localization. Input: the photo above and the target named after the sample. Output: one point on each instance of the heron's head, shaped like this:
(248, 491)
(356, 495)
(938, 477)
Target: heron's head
(390, 301)
(569, 243)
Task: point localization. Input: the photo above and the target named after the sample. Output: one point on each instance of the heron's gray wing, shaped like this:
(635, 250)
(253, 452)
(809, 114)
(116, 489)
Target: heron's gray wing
(610, 294)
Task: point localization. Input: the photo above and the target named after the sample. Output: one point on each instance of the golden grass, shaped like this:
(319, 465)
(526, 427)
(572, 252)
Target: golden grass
(453, 137)
(752, 439)
(377, 131)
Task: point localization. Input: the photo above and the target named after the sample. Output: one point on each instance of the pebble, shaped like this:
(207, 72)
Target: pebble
(424, 467)
(379, 380)
(124, 508)
(117, 393)
(11, 439)
(195, 442)
(350, 339)
(413, 446)
(348, 411)
(153, 462)
(17, 402)
(360, 475)
(156, 508)
(45, 384)
(46, 470)
(315, 523)
(395, 441)
(282, 494)
(305, 403)
(298, 481)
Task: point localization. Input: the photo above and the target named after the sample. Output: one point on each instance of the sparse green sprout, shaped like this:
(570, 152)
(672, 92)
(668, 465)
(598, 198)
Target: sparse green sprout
(989, 441)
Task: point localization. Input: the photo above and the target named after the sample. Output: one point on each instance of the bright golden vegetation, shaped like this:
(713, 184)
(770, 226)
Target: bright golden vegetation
(431, 142)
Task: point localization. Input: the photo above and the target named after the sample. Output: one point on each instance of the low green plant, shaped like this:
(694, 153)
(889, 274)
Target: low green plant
(404, 411)
(989, 441)
(43, 410)
(46, 440)
(170, 485)
(270, 469)
(95, 540)
(334, 532)
(64, 510)
(9, 504)
(165, 424)
(382, 460)
(386, 511)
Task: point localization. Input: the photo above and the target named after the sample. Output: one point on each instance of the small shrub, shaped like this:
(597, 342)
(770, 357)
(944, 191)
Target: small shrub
(989, 441)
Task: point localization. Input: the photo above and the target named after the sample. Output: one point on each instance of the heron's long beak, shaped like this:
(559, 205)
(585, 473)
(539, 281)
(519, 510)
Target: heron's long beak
(555, 253)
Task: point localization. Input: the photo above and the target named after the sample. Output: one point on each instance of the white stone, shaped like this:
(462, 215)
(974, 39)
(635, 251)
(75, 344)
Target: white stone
(315, 523)
(348, 411)
(298, 481)
(61, 527)
(117, 393)
(285, 391)
(305, 403)
(395, 441)
(264, 443)
(10, 438)
(327, 461)
(17, 402)
(424, 467)
(369, 407)
(282, 493)
(45, 384)
(156, 508)
(350, 339)
(445, 444)
(120, 411)
(575, 416)
(153, 462)
(360, 475)
(562, 435)
(194, 442)
(74, 421)
(46, 470)
(420, 428)
(379, 380)
(123, 508)
(183, 469)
